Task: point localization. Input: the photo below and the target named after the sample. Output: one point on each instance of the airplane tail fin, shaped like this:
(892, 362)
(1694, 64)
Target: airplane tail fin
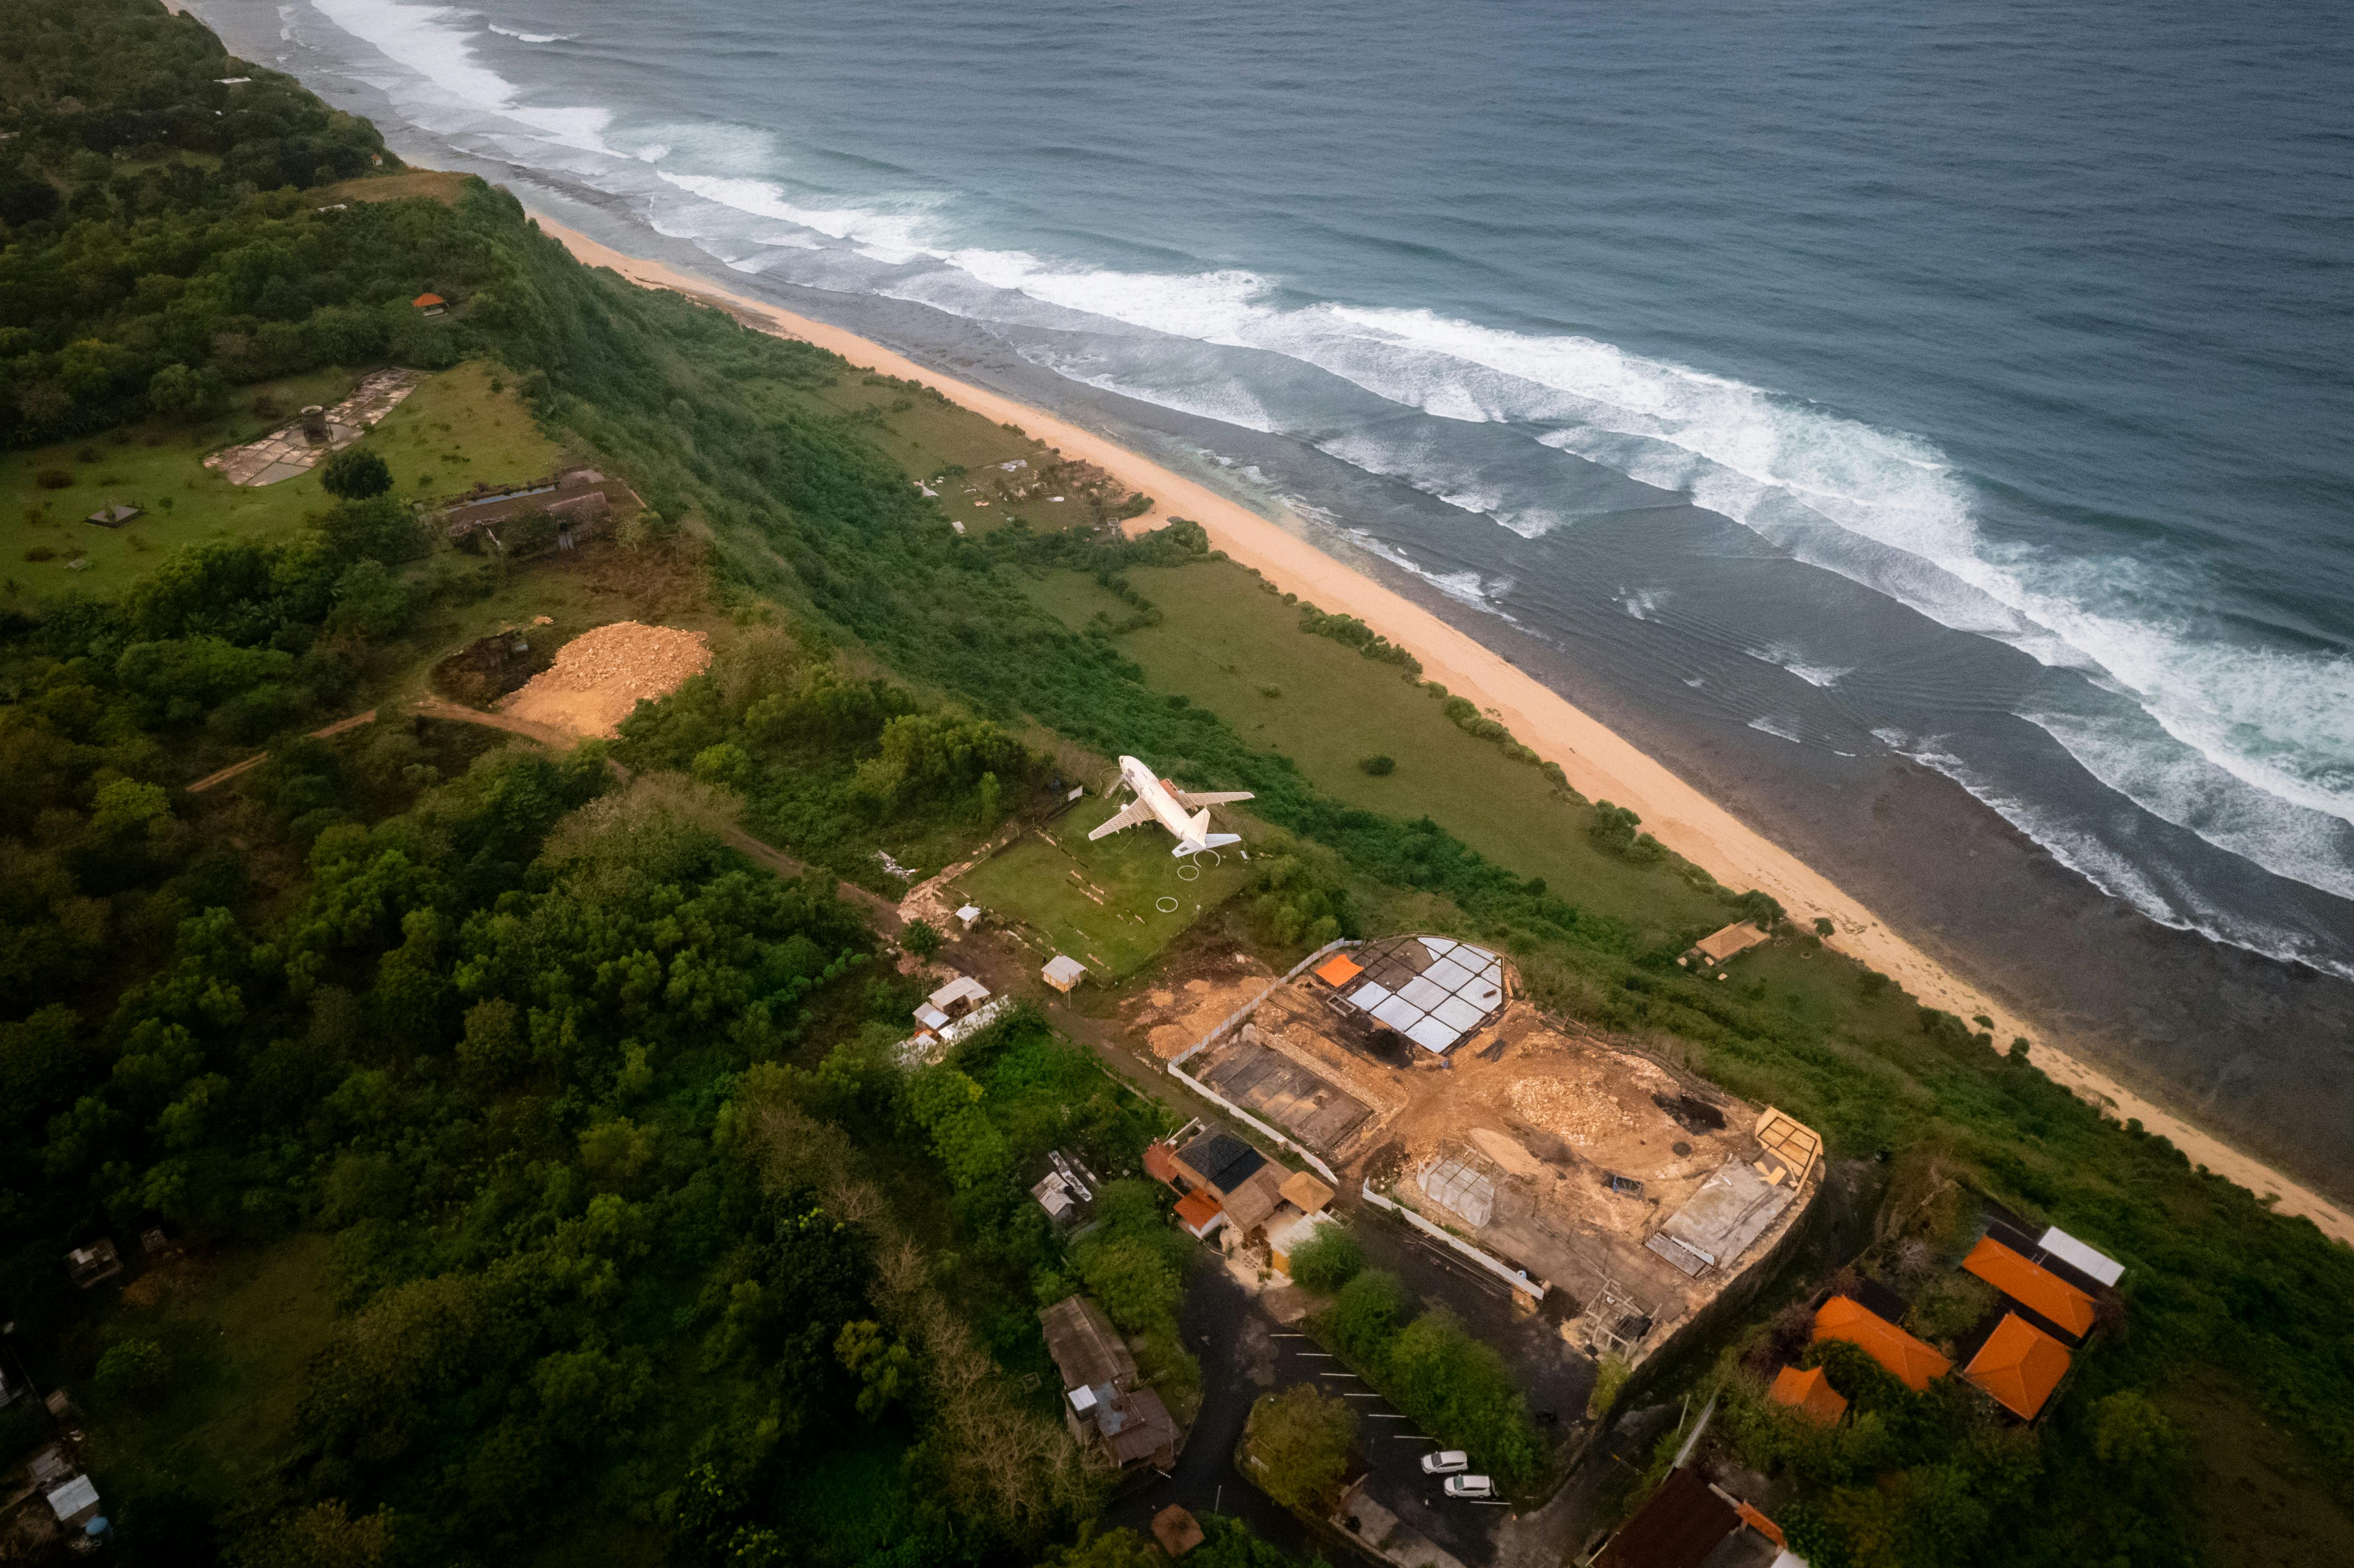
(1198, 837)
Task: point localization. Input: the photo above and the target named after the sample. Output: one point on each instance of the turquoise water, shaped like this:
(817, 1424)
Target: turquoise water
(1828, 384)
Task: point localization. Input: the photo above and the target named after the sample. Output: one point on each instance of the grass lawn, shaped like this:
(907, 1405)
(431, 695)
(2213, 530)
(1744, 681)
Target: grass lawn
(237, 1331)
(1226, 644)
(927, 436)
(1108, 905)
(452, 432)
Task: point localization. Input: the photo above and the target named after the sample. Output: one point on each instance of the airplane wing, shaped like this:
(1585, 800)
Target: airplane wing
(1137, 811)
(1195, 802)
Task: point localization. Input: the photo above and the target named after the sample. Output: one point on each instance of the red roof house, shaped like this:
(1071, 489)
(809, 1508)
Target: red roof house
(2019, 1365)
(1915, 1365)
(2039, 1290)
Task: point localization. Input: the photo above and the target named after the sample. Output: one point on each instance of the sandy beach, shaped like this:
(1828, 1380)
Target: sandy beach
(1599, 763)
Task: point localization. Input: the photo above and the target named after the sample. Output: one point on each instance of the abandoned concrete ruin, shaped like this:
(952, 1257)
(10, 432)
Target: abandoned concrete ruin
(525, 519)
(1627, 1193)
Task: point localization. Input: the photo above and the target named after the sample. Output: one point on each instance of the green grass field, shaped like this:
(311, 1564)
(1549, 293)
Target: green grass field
(1225, 645)
(451, 431)
(1106, 904)
(237, 1331)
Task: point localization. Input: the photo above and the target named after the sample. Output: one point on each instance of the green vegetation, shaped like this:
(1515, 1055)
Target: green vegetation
(1456, 1388)
(1104, 903)
(1296, 1445)
(1329, 1260)
(597, 1211)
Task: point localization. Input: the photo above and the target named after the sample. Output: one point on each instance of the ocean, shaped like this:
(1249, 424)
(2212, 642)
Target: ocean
(1927, 429)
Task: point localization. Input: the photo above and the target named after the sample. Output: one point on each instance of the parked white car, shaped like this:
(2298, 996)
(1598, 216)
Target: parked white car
(1479, 1487)
(1446, 1462)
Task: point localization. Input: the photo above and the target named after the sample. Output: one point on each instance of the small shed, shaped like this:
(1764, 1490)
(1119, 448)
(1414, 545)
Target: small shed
(88, 1265)
(113, 517)
(1737, 937)
(1064, 972)
(969, 916)
(958, 997)
(430, 305)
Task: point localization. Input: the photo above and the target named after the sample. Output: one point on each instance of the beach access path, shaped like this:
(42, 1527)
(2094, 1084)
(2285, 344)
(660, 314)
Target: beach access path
(1600, 764)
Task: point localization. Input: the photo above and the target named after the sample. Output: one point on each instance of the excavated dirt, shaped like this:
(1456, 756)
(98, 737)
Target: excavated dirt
(601, 677)
(1175, 1016)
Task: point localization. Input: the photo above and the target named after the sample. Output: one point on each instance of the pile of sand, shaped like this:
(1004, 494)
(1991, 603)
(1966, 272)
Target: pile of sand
(601, 677)
(1576, 1112)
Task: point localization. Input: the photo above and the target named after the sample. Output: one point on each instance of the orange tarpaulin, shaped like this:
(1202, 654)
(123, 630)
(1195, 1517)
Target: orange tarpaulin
(1811, 1393)
(2019, 1365)
(2039, 1290)
(1339, 970)
(1916, 1364)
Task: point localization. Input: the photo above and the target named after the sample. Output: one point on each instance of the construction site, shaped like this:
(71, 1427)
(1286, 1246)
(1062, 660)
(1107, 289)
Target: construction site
(1624, 1194)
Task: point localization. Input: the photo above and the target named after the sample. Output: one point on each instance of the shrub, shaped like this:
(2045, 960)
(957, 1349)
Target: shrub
(1329, 1260)
(355, 474)
(54, 478)
(1378, 766)
(921, 938)
(133, 1369)
(1298, 1443)
(40, 553)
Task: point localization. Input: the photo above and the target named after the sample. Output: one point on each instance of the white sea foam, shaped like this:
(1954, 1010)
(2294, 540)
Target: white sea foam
(1465, 587)
(1642, 603)
(1777, 727)
(531, 38)
(1797, 663)
(432, 41)
(2181, 786)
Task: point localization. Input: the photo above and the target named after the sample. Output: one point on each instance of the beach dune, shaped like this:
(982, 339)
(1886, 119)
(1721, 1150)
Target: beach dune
(1599, 764)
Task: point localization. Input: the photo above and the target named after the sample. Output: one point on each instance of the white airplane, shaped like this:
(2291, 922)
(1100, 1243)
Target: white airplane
(1157, 799)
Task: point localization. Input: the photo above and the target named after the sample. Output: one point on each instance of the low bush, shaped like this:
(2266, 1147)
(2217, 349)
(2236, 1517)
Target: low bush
(1326, 1261)
(1431, 1369)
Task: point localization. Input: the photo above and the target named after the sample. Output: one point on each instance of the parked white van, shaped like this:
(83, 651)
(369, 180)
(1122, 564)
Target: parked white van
(1480, 1486)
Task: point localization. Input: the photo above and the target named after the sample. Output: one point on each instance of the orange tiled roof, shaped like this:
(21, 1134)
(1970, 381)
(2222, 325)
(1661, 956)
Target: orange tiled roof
(1195, 1210)
(2019, 1365)
(2039, 1290)
(1915, 1364)
(1339, 970)
(1811, 1393)
(424, 300)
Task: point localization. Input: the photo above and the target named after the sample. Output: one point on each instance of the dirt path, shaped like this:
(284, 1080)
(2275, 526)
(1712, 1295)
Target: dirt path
(259, 758)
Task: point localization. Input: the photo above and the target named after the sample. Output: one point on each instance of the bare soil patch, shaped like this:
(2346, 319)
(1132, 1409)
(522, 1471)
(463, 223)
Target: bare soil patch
(599, 677)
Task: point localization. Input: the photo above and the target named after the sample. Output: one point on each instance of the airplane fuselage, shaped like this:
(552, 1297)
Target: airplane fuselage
(1162, 802)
